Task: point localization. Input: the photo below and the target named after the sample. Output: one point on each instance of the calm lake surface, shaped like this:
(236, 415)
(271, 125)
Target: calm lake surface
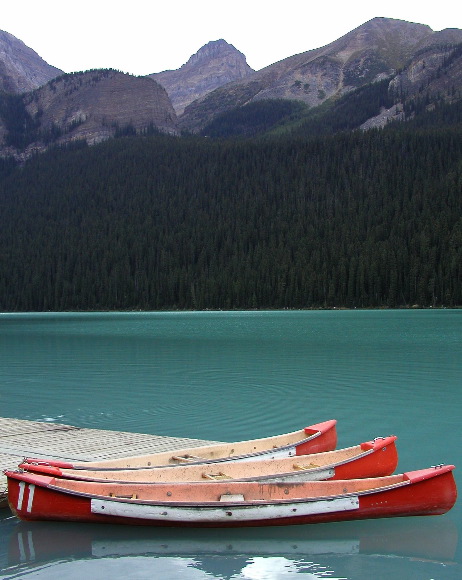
(240, 375)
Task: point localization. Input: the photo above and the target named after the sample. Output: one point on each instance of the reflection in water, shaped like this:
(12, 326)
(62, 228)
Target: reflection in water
(361, 550)
(173, 568)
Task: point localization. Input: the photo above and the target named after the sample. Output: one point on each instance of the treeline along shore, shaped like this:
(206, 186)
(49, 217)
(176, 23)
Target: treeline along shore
(356, 220)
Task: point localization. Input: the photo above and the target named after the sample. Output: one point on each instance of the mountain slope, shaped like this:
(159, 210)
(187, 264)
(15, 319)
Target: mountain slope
(21, 68)
(435, 69)
(90, 106)
(215, 64)
(373, 51)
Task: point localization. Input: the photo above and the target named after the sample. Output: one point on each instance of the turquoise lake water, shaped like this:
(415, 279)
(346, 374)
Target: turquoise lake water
(240, 375)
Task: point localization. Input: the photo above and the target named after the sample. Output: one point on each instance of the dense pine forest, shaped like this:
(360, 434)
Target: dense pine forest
(351, 220)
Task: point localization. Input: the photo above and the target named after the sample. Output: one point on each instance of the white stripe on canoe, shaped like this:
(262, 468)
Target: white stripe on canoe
(234, 512)
(22, 485)
(31, 497)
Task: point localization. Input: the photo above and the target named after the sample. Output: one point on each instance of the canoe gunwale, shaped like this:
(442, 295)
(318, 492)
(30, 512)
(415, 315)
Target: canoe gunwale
(241, 457)
(237, 504)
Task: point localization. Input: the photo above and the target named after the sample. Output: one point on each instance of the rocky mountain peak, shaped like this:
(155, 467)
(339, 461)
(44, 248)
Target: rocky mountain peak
(212, 66)
(214, 49)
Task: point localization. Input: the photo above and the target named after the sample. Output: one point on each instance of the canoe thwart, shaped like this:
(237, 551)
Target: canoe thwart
(186, 458)
(216, 476)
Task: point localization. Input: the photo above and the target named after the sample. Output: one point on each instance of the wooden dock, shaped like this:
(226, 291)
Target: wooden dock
(20, 438)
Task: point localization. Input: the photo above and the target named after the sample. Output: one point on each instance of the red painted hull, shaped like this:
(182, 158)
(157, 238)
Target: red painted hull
(426, 492)
(382, 462)
(321, 437)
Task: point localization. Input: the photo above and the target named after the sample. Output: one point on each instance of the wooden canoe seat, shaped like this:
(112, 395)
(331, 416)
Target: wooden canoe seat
(216, 476)
(299, 467)
(186, 458)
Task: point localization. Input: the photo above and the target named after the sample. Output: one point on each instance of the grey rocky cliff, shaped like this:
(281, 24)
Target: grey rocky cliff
(21, 68)
(214, 65)
(92, 106)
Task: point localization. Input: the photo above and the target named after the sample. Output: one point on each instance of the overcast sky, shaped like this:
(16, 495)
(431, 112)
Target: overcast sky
(145, 36)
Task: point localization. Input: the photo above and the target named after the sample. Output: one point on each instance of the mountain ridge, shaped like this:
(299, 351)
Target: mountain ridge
(371, 52)
(97, 105)
(311, 213)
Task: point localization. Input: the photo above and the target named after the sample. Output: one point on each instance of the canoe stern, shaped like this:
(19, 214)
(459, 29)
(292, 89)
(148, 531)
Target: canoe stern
(321, 437)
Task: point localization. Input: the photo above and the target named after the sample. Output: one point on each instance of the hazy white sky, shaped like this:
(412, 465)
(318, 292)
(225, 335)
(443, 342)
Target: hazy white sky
(144, 36)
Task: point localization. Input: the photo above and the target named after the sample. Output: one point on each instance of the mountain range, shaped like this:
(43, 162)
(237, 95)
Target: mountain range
(39, 105)
(219, 187)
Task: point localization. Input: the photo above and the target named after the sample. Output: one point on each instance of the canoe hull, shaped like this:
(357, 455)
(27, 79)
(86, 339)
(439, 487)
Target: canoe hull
(427, 492)
(313, 439)
(369, 459)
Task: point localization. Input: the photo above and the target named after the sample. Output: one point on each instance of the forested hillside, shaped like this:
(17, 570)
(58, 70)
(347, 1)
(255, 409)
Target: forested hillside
(353, 220)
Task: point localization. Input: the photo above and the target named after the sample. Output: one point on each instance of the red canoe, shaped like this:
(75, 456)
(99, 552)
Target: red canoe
(231, 504)
(313, 439)
(369, 459)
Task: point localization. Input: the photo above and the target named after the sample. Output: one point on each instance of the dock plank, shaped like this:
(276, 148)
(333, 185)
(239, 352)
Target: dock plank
(21, 438)
(10, 427)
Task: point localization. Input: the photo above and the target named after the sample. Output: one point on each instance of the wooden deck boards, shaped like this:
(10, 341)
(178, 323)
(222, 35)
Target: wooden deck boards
(20, 438)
